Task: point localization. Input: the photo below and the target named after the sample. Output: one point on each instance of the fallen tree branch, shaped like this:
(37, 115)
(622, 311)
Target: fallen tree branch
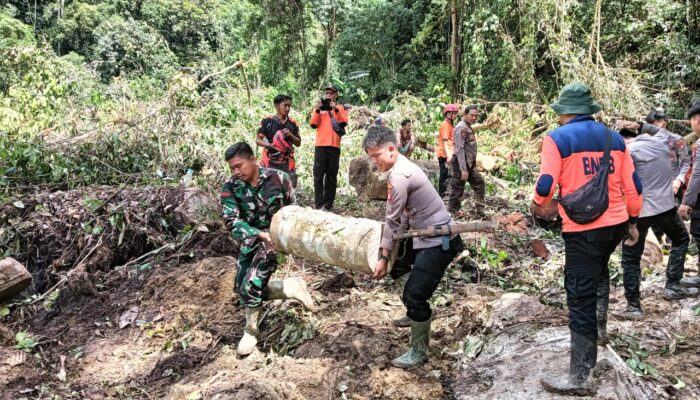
(237, 64)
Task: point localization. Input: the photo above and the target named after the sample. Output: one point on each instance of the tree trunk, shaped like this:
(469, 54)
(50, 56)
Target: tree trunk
(330, 37)
(324, 237)
(370, 184)
(694, 21)
(455, 46)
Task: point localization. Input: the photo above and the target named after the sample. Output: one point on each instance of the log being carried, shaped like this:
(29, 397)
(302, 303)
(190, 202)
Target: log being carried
(324, 237)
(350, 243)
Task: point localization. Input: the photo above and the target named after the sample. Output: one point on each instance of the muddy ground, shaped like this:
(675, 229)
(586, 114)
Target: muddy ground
(165, 326)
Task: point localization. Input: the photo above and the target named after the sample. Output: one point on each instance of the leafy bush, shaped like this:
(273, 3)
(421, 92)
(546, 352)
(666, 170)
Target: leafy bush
(130, 47)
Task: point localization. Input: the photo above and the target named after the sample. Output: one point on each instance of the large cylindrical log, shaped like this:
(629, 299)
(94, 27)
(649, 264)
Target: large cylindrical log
(370, 183)
(324, 237)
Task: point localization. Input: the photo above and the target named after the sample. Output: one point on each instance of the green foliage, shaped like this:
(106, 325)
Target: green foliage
(14, 33)
(76, 31)
(636, 354)
(24, 342)
(130, 47)
(34, 90)
(190, 27)
(125, 76)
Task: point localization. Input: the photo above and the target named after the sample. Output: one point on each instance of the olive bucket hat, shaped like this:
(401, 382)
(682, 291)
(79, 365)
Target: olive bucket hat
(576, 98)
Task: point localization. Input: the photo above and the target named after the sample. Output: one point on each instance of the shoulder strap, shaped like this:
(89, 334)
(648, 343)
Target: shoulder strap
(608, 145)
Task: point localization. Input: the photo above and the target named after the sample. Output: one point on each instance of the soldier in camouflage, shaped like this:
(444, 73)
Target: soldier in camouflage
(250, 198)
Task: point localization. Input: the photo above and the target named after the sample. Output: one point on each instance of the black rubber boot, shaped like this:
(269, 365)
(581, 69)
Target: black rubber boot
(691, 281)
(578, 381)
(676, 291)
(633, 312)
(602, 311)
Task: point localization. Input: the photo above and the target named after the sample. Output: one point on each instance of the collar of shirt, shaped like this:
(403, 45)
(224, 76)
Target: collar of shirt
(399, 160)
(263, 174)
(580, 118)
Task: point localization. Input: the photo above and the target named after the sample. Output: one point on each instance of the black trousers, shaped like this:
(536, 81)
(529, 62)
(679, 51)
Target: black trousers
(326, 163)
(585, 270)
(426, 266)
(671, 224)
(658, 232)
(444, 176)
(476, 181)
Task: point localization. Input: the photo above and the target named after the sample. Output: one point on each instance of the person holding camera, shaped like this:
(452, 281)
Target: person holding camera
(329, 119)
(278, 135)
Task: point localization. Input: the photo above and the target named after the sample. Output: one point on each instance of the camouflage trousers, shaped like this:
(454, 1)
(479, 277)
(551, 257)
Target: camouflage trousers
(254, 272)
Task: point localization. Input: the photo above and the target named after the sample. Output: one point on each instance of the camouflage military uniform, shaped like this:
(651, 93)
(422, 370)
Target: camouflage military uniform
(247, 211)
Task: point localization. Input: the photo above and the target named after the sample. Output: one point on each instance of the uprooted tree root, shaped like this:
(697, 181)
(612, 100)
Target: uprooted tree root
(72, 235)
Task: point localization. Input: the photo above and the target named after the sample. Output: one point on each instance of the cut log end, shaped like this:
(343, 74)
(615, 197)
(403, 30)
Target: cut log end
(13, 278)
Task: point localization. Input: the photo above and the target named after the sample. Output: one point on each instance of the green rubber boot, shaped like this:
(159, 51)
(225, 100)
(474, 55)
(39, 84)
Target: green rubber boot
(418, 353)
(250, 331)
(403, 322)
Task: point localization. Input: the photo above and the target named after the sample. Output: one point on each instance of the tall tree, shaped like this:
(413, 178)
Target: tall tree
(455, 44)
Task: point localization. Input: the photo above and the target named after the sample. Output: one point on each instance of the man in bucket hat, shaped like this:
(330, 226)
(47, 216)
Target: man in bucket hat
(570, 156)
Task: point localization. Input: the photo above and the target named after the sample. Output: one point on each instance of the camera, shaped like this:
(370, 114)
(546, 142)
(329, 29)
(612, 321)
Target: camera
(325, 103)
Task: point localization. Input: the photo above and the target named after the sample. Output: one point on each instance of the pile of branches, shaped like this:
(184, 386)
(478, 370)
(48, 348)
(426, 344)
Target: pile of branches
(70, 235)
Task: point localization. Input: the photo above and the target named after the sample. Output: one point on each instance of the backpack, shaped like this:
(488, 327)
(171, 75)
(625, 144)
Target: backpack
(585, 204)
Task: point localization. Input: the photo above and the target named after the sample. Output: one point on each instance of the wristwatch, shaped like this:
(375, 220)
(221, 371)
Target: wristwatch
(383, 257)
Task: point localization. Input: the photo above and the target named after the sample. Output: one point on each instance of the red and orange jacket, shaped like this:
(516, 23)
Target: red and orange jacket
(570, 157)
(321, 121)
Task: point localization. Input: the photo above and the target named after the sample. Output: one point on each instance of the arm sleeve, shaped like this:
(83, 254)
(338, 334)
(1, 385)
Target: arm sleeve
(231, 213)
(397, 195)
(315, 120)
(683, 157)
(691, 194)
(444, 133)
(341, 115)
(261, 128)
(631, 187)
(550, 169)
(649, 128)
(459, 147)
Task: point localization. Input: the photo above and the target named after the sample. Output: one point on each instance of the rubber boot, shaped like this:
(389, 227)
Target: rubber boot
(290, 288)
(403, 322)
(674, 275)
(250, 331)
(602, 312)
(578, 381)
(633, 312)
(691, 281)
(418, 353)
(676, 291)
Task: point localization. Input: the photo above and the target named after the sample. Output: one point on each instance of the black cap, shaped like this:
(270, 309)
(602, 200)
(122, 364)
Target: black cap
(656, 115)
(331, 87)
